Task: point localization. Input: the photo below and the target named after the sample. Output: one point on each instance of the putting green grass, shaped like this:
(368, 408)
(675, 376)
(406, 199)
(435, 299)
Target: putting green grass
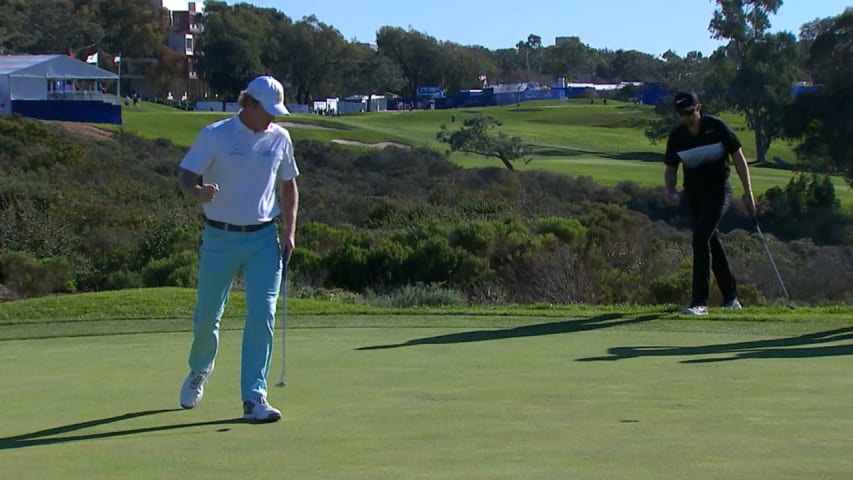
(615, 395)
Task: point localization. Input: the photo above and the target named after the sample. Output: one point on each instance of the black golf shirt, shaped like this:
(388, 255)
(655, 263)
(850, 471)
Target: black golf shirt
(705, 156)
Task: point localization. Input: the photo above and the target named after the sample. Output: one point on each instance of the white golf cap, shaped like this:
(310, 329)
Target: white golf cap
(269, 93)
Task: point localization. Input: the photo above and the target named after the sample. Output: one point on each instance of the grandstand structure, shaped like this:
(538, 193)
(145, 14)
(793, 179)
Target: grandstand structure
(57, 87)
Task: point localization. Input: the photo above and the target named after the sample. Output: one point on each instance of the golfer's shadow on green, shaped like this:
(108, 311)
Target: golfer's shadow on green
(566, 326)
(48, 436)
(802, 346)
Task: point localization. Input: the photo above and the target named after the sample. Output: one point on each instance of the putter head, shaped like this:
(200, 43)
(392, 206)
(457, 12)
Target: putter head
(281, 384)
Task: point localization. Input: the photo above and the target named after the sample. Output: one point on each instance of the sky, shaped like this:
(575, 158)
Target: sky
(650, 26)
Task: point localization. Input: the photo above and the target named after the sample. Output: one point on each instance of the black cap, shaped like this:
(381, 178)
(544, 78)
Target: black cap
(686, 101)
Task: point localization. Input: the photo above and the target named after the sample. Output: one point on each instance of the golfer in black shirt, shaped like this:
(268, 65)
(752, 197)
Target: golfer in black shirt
(704, 144)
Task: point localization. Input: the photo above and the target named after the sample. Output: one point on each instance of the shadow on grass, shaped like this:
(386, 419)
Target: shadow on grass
(810, 345)
(653, 157)
(47, 437)
(551, 328)
(557, 152)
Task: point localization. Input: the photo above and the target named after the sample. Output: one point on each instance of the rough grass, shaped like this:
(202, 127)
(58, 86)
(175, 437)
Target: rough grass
(170, 309)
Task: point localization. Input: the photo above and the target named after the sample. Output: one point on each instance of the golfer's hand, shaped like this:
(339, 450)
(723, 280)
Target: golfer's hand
(207, 192)
(287, 245)
(749, 203)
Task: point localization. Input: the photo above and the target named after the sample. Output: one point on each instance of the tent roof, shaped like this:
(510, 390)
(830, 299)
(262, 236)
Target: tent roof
(55, 67)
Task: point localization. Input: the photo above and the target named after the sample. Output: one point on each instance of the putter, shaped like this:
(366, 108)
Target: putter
(281, 382)
(283, 295)
(773, 262)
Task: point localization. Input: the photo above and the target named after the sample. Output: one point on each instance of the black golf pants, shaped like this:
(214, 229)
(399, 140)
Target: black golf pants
(706, 209)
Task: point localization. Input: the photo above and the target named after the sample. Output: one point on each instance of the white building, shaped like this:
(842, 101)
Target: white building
(57, 87)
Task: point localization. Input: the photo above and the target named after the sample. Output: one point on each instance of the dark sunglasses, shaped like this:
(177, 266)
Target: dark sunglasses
(686, 113)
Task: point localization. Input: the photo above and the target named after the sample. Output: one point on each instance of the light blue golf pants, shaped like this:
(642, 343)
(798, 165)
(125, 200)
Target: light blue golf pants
(258, 255)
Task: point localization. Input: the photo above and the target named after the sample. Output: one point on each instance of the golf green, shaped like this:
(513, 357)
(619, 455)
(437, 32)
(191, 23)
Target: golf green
(601, 397)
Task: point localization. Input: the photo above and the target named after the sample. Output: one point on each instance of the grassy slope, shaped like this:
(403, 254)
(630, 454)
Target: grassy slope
(169, 309)
(606, 143)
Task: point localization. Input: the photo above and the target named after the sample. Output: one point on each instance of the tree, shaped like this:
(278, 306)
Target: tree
(510, 69)
(371, 73)
(137, 29)
(475, 137)
(809, 32)
(569, 58)
(236, 45)
(460, 66)
(15, 34)
(531, 47)
(312, 52)
(57, 27)
(417, 54)
(821, 119)
(629, 65)
(684, 73)
(766, 65)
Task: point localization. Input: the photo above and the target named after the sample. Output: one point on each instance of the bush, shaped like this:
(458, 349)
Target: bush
(420, 295)
(61, 274)
(567, 230)
(30, 277)
(123, 280)
(750, 296)
(674, 288)
(178, 270)
(328, 294)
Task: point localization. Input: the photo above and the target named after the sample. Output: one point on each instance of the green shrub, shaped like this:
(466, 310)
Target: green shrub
(61, 274)
(420, 295)
(347, 267)
(327, 294)
(674, 288)
(750, 296)
(177, 270)
(303, 260)
(31, 277)
(123, 280)
(476, 238)
(567, 230)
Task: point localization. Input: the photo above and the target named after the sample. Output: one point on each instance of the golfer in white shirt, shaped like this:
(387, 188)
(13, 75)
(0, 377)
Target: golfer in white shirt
(243, 172)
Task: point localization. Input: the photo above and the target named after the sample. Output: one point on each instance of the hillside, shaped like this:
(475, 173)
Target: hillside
(84, 214)
(604, 142)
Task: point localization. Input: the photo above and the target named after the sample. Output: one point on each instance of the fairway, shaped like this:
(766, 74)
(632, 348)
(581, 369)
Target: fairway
(600, 396)
(605, 142)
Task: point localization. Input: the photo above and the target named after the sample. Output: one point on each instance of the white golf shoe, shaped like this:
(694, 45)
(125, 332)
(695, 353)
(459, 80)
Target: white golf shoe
(193, 388)
(259, 410)
(697, 310)
(733, 305)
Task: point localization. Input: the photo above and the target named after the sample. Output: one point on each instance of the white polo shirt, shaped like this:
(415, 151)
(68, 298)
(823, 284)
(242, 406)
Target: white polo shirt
(246, 165)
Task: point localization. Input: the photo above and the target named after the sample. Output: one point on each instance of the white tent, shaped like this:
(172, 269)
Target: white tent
(27, 77)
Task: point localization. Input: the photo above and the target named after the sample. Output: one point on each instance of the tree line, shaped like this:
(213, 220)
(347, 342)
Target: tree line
(752, 73)
(316, 60)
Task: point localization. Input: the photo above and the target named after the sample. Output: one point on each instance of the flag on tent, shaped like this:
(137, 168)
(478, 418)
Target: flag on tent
(93, 58)
(117, 57)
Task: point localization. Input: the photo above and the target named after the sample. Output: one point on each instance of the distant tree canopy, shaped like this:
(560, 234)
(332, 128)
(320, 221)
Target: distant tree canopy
(752, 74)
(821, 120)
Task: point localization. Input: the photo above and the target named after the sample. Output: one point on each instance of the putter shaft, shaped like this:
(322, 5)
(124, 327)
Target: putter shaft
(772, 262)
